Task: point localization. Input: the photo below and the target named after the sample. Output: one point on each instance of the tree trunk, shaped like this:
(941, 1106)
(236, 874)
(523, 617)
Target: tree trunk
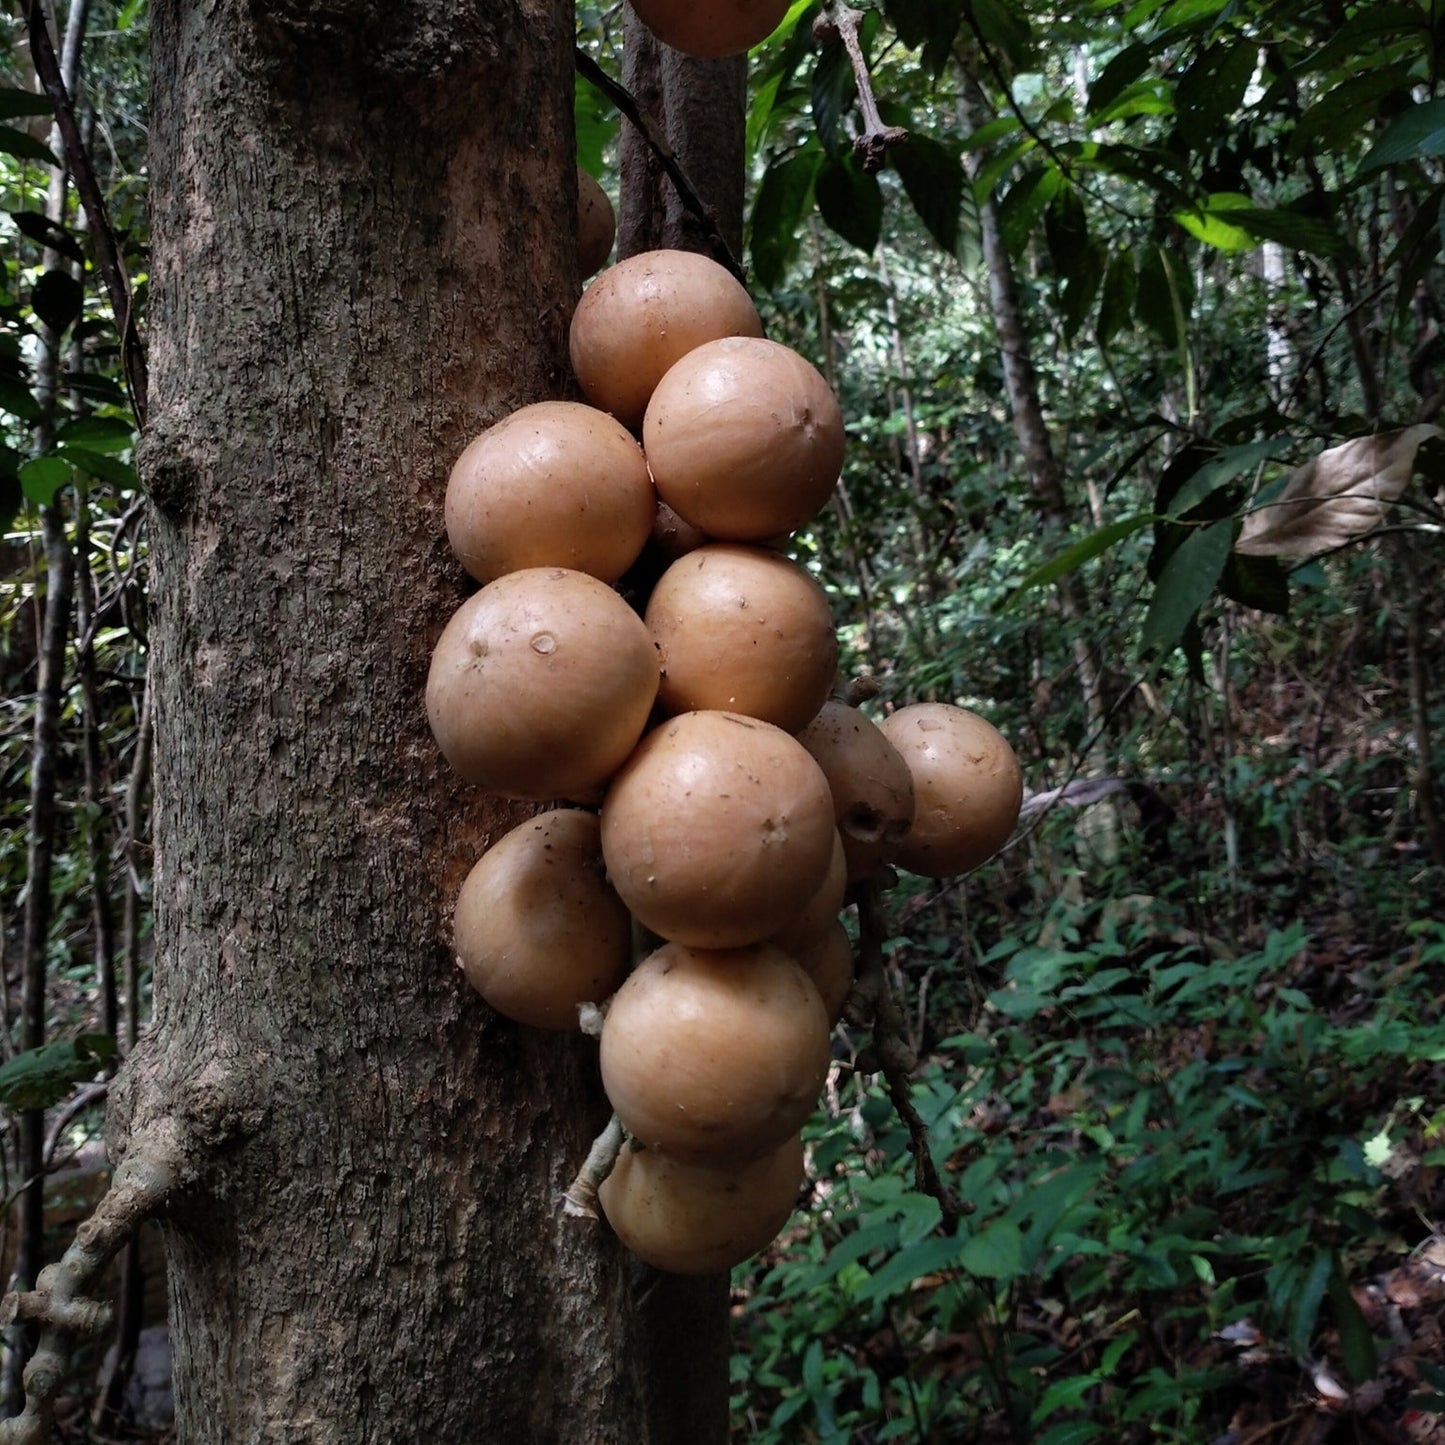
(1021, 383)
(701, 107)
(363, 253)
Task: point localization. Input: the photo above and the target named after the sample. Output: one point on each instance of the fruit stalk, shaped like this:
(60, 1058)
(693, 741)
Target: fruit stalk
(580, 1200)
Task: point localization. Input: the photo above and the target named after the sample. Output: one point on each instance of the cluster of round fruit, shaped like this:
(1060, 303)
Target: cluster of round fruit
(737, 802)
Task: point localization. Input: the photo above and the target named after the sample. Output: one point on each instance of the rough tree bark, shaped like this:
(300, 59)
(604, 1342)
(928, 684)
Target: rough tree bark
(701, 106)
(362, 255)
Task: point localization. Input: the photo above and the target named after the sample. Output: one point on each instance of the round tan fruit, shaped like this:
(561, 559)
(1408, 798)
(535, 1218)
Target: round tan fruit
(645, 313)
(537, 930)
(871, 785)
(715, 1055)
(692, 1219)
(744, 630)
(968, 785)
(821, 911)
(711, 30)
(556, 484)
(541, 684)
(596, 224)
(672, 537)
(828, 961)
(716, 828)
(744, 439)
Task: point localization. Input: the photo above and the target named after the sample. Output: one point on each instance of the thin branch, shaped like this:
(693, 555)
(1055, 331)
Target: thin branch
(872, 1002)
(652, 133)
(580, 1200)
(107, 249)
(878, 138)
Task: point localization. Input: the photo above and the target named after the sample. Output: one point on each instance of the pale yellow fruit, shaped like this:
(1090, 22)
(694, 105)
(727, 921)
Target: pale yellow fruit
(537, 929)
(715, 1055)
(828, 961)
(745, 630)
(871, 785)
(967, 783)
(711, 28)
(744, 439)
(716, 829)
(645, 313)
(555, 484)
(696, 1219)
(541, 684)
(596, 224)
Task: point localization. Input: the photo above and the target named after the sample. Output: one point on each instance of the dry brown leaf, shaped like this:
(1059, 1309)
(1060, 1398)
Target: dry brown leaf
(1339, 496)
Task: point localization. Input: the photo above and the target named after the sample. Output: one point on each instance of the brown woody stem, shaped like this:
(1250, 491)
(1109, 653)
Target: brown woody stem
(877, 138)
(872, 1001)
(580, 1200)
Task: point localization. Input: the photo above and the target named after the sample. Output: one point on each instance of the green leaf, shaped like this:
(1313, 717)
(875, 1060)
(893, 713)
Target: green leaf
(1081, 552)
(774, 94)
(1066, 1394)
(932, 175)
(1048, 1203)
(1215, 224)
(17, 399)
(1066, 229)
(58, 299)
(41, 229)
(98, 433)
(40, 1078)
(1305, 1307)
(996, 1252)
(1357, 1344)
(103, 468)
(17, 103)
(1082, 287)
(927, 25)
(908, 1265)
(850, 202)
(1165, 296)
(1020, 209)
(1188, 578)
(1116, 305)
(1224, 467)
(1258, 582)
(596, 122)
(991, 132)
(1117, 1349)
(1122, 71)
(1341, 114)
(779, 212)
(41, 478)
(1291, 229)
(1417, 132)
(920, 1214)
(24, 146)
(833, 90)
(1071, 1432)
(1213, 88)
(1003, 25)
